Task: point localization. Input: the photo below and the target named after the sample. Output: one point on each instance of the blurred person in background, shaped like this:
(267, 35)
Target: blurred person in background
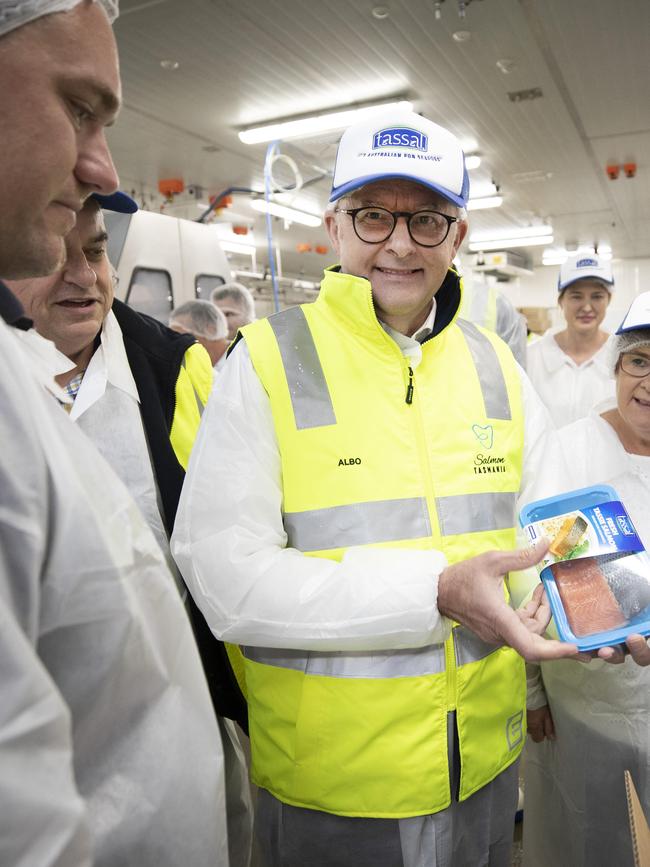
(589, 723)
(569, 368)
(205, 322)
(237, 305)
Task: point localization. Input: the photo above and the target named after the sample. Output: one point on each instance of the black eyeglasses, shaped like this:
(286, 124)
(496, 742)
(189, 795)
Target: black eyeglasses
(635, 365)
(376, 225)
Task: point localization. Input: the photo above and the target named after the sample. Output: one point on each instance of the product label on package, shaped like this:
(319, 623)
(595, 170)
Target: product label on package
(605, 528)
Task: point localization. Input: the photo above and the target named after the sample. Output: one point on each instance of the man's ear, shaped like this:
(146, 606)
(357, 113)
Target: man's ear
(332, 226)
(461, 231)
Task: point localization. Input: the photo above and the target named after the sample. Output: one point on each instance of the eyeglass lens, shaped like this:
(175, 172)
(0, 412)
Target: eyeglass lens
(425, 227)
(635, 365)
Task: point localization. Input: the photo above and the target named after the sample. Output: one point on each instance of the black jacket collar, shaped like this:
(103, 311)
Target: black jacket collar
(11, 310)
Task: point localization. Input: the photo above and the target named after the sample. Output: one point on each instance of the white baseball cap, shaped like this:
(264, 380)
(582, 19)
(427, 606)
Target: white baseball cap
(638, 316)
(583, 266)
(401, 145)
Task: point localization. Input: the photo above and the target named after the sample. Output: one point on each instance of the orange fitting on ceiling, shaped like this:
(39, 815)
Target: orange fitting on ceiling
(613, 171)
(240, 230)
(303, 248)
(629, 169)
(171, 187)
(321, 249)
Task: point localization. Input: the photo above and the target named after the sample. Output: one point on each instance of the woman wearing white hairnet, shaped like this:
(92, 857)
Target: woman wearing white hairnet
(569, 368)
(591, 722)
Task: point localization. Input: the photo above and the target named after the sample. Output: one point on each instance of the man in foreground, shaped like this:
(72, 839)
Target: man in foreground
(349, 517)
(109, 750)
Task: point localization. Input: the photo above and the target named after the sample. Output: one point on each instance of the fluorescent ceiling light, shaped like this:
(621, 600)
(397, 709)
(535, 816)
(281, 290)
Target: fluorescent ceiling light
(560, 255)
(242, 249)
(286, 213)
(484, 202)
(483, 246)
(483, 188)
(512, 232)
(469, 145)
(316, 123)
(472, 162)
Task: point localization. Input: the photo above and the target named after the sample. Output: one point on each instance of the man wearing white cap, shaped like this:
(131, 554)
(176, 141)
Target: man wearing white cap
(569, 368)
(109, 749)
(355, 447)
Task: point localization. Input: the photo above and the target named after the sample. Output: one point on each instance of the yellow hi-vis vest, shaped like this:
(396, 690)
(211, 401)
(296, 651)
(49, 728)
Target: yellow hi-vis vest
(374, 455)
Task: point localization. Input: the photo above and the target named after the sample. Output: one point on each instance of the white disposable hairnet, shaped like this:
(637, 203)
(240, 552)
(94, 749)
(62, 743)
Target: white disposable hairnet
(15, 13)
(627, 342)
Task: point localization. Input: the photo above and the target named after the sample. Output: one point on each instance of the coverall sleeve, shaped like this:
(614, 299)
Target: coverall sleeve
(511, 327)
(230, 544)
(42, 817)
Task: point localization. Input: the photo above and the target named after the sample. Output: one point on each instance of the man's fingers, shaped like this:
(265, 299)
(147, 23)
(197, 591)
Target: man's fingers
(523, 558)
(639, 650)
(532, 647)
(549, 726)
(613, 655)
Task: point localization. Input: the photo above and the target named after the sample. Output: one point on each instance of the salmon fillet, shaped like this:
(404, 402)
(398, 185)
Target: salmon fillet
(589, 603)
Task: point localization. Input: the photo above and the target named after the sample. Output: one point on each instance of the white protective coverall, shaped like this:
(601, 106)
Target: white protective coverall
(569, 390)
(576, 812)
(109, 749)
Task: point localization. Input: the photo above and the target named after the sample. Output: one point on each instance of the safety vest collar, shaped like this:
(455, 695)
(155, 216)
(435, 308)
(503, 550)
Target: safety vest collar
(349, 298)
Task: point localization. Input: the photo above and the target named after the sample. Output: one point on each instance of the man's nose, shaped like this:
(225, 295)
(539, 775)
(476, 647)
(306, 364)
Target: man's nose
(95, 169)
(77, 271)
(400, 242)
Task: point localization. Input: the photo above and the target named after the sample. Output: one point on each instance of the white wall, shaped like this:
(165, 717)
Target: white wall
(632, 276)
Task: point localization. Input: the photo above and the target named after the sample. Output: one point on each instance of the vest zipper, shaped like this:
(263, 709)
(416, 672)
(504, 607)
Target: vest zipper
(450, 665)
(409, 388)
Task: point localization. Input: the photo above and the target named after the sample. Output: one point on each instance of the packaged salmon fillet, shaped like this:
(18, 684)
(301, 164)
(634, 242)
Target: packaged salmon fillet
(596, 571)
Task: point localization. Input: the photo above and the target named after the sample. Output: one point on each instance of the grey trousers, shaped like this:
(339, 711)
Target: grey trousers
(474, 833)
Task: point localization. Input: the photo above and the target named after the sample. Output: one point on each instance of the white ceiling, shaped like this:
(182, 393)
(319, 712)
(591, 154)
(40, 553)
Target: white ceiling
(242, 62)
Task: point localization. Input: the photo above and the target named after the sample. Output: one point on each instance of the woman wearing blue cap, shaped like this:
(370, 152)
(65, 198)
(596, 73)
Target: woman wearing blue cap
(590, 722)
(569, 368)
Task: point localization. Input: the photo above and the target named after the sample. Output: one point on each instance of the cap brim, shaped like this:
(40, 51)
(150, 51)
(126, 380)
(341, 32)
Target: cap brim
(351, 186)
(562, 286)
(119, 202)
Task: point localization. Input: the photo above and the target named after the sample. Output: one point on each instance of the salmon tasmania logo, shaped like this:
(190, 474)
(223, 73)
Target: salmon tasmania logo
(400, 137)
(484, 434)
(486, 463)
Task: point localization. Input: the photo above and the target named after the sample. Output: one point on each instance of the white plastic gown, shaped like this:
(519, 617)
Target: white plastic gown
(575, 810)
(109, 750)
(569, 390)
(230, 544)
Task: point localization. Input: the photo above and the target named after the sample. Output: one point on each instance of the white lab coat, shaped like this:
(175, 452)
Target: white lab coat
(230, 543)
(568, 390)
(575, 812)
(109, 750)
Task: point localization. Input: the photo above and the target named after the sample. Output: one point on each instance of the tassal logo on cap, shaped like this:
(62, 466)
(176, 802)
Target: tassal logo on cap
(586, 263)
(400, 137)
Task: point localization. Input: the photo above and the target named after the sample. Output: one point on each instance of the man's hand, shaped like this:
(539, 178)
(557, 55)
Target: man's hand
(471, 592)
(540, 724)
(635, 645)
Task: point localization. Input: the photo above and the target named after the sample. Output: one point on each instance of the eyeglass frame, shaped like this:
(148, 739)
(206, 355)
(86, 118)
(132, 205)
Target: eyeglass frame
(408, 216)
(639, 355)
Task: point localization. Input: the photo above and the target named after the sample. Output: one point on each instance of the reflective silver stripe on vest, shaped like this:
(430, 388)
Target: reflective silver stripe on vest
(358, 524)
(475, 513)
(199, 402)
(310, 397)
(488, 368)
(414, 662)
(469, 647)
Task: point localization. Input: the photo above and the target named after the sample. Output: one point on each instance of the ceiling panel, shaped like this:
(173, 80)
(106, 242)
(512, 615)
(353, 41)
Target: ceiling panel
(251, 61)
